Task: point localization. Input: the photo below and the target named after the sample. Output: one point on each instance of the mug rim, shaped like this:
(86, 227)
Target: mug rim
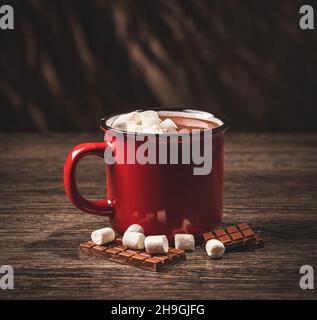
(222, 128)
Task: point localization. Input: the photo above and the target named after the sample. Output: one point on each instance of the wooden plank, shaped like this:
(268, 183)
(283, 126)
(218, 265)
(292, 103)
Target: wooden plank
(270, 182)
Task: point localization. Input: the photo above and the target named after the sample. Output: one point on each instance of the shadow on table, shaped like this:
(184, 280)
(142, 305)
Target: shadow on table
(63, 243)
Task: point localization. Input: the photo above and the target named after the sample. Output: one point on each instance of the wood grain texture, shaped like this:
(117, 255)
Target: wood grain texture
(270, 182)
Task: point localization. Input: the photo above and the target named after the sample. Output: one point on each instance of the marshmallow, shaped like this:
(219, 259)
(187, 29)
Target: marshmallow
(137, 118)
(134, 240)
(132, 127)
(150, 118)
(145, 122)
(122, 121)
(156, 244)
(215, 249)
(168, 124)
(153, 129)
(102, 236)
(135, 228)
(185, 242)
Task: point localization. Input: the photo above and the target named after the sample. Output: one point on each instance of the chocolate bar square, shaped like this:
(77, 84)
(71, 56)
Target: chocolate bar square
(111, 253)
(225, 239)
(208, 235)
(86, 246)
(248, 233)
(219, 233)
(98, 250)
(243, 226)
(236, 236)
(231, 229)
(137, 259)
(120, 247)
(124, 255)
(152, 263)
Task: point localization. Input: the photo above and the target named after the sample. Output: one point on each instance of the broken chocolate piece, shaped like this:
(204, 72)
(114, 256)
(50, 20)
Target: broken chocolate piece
(116, 251)
(240, 237)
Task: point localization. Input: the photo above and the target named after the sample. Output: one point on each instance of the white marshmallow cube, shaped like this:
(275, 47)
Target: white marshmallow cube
(133, 240)
(153, 129)
(156, 244)
(135, 228)
(185, 242)
(102, 236)
(122, 121)
(215, 249)
(132, 127)
(145, 122)
(137, 118)
(168, 124)
(149, 118)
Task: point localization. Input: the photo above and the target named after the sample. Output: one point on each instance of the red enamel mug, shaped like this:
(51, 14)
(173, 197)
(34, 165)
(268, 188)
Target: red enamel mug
(162, 198)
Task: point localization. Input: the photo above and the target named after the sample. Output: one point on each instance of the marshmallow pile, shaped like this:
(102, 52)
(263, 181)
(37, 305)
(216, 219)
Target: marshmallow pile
(145, 122)
(134, 238)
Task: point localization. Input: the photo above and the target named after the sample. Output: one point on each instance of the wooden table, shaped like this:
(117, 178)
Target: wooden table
(270, 182)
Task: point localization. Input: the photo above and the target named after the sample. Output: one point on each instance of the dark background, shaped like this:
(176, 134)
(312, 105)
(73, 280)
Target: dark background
(68, 63)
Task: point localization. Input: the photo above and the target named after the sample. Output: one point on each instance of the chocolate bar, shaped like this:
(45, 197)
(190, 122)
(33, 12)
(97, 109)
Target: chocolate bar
(116, 251)
(240, 237)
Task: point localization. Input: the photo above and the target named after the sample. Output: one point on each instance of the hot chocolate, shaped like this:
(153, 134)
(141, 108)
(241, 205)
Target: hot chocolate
(186, 122)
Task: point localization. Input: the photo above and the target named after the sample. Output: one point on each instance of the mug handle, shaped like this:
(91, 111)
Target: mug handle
(98, 207)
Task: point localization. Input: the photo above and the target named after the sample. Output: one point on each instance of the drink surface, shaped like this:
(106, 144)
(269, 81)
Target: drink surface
(186, 122)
